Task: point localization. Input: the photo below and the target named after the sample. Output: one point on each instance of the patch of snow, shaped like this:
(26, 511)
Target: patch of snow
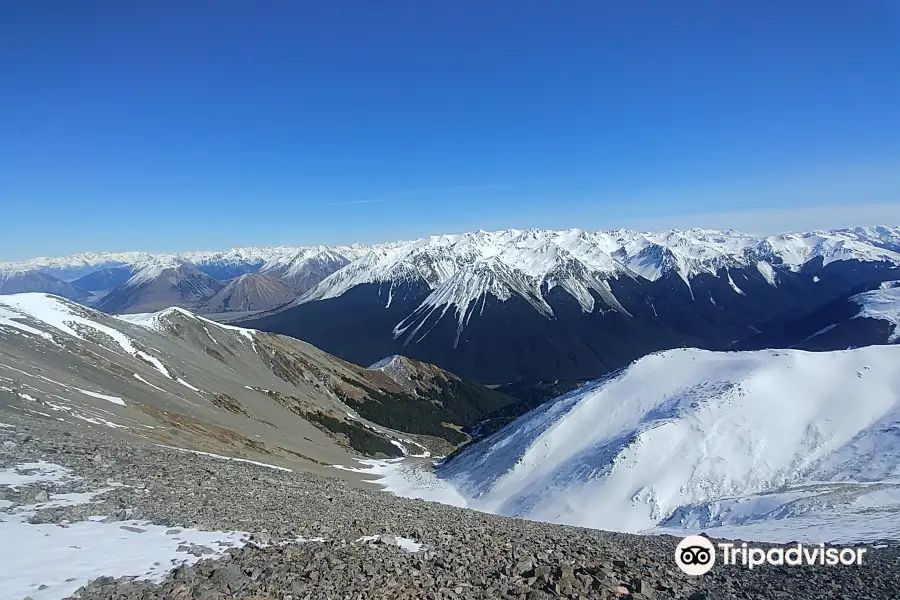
(408, 479)
(206, 329)
(93, 418)
(157, 364)
(425, 452)
(882, 304)
(220, 457)
(247, 333)
(401, 446)
(186, 384)
(734, 286)
(384, 362)
(147, 320)
(407, 544)
(36, 472)
(49, 555)
(113, 399)
(768, 273)
(6, 426)
(10, 316)
(61, 314)
(144, 381)
(819, 332)
(98, 421)
(155, 321)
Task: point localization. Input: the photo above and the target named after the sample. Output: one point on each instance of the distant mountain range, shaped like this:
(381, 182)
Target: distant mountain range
(126, 282)
(502, 306)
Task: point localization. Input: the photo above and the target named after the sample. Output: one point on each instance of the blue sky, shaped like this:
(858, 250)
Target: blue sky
(170, 125)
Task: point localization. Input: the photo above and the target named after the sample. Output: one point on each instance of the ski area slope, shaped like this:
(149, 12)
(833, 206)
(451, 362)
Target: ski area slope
(683, 436)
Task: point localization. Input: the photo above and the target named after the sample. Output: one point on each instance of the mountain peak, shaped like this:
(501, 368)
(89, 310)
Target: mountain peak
(161, 283)
(251, 292)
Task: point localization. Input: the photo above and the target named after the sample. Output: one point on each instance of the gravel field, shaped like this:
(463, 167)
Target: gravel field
(320, 537)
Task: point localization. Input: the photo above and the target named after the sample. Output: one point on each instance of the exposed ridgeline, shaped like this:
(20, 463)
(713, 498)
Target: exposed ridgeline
(179, 379)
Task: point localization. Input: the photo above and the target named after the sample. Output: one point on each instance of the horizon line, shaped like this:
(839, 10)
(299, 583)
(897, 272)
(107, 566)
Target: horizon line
(181, 253)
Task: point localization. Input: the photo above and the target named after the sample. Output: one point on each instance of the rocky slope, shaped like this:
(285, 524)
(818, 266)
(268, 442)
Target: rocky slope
(251, 292)
(179, 379)
(173, 521)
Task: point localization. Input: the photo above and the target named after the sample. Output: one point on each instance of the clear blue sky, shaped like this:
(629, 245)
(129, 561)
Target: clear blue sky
(175, 125)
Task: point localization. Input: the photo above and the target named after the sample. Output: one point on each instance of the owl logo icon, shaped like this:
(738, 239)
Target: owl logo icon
(695, 555)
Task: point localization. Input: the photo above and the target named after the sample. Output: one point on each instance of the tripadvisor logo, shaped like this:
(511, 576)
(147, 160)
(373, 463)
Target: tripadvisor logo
(696, 555)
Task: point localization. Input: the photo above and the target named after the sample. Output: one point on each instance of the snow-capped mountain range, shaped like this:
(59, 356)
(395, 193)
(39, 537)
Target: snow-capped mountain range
(650, 255)
(441, 298)
(479, 303)
(462, 269)
(119, 282)
(220, 264)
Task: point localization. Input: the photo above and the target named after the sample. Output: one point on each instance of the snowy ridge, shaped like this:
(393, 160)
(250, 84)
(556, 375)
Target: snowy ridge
(86, 260)
(262, 259)
(66, 317)
(385, 362)
(462, 292)
(154, 320)
(883, 304)
(294, 262)
(157, 321)
(57, 313)
(519, 262)
(691, 251)
(690, 432)
(153, 267)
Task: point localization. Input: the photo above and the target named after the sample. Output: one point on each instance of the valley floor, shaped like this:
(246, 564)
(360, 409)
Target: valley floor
(80, 506)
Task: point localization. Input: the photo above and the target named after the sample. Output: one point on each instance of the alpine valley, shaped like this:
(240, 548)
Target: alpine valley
(510, 306)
